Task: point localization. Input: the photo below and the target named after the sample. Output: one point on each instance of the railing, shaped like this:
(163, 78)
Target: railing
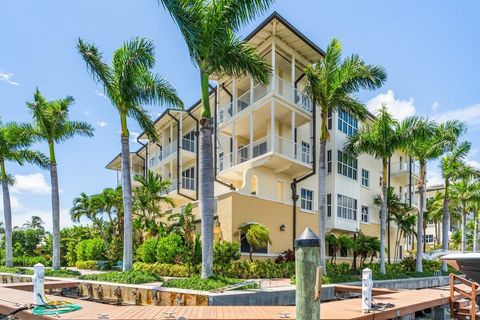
(282, 88)
(172, 187)
(188, 144)
(472, 295)
(188, 183)
(169, 149)
(404, 167)
(283, 146)
(155, 159)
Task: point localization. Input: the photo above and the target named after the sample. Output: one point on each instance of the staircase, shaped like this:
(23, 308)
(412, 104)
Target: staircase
(464, 307)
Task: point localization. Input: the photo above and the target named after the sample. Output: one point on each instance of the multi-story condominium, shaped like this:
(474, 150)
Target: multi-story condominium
(266, 153)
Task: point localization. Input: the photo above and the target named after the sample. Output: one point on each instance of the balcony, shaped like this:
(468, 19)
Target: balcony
(287, 156)
(280, 88)
(170, 149)
(188, 184)
(401, 168)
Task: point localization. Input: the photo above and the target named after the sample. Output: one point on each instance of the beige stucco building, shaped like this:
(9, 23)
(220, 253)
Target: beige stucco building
(266, 146)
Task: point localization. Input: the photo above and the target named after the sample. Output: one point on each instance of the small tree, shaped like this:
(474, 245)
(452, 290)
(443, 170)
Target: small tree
(257, 236)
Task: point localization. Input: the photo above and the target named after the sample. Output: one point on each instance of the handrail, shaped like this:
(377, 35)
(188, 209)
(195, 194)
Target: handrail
(472, 294)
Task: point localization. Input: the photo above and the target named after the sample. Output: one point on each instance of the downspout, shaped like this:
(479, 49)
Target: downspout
(178, 157)
(388, 212)
(410, 187)
(215, 146)
(302, 178)
(145, 160)
(197, 153)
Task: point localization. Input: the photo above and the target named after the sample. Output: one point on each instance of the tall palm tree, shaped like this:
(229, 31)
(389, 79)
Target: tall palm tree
(381, 140)
(208, 28)
(52, 125)
(257, 235)
(435, 141)
(34, 223)
(15, 140)
(331, 83)
(434, 208)
(128, 84)
(465, 193)
(453, 167)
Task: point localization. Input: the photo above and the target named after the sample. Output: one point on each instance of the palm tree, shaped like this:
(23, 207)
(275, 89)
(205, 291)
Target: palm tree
(184, 224)
(52, 125)
(208, 28)
(15, 140)
(381, 140)
(464, 194)
(257, 236)
(435, 141)
(331, 83)
(453, 167)
(34, 223)
(332, 242)
(434, 209)
(129, 83)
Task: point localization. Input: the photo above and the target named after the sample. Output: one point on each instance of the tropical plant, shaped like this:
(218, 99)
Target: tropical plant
(183, 224)
(435, 141)
(331, 83)
(364, 246)
(381, 140)
(208, 28)
(128, 84)
(434, 208)
(51, 124)
(332, 241)
(34, 223)
(15, 140)
(257, 236)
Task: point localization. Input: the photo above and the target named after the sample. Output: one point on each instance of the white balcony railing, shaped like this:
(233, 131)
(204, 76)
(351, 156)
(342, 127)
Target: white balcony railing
(188, 144)
(169, 149)
(404, 167)
(283, 146)
(283, 88)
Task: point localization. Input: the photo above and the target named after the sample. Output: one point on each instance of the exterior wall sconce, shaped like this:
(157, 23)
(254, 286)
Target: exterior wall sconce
(282, 227)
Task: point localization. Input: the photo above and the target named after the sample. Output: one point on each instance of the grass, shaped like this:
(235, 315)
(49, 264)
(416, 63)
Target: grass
(128, 277)
(211, 283)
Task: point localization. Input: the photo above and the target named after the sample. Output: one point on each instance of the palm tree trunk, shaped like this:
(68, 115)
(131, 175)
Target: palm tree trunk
(207, 178)
(55, 207)
(383, 216)
(322, 195)
(127, 204)
(420, 236)
(445, 225)
(7, 212)
(464, 230)
(475, 232)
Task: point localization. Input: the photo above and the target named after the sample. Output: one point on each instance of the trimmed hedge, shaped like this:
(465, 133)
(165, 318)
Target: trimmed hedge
(163, 269)
(30, 261)
(128, 277)
(62, 273)
(211, 283)
(259, 269)
(87, 265)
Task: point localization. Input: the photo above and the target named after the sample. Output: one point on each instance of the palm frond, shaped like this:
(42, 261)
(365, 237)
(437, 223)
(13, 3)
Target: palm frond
(237, 14)
(153, 89)
(141, 116)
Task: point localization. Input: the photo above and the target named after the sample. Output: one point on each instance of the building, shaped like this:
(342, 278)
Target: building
(266, 153)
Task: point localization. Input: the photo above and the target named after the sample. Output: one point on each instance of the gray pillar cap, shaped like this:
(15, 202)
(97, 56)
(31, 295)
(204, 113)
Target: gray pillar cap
(308, 238)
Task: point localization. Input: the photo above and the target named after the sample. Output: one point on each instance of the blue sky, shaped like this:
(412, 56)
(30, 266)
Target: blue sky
(429, 49)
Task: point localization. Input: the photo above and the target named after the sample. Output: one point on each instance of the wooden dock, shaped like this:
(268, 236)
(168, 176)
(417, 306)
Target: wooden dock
(406, 302)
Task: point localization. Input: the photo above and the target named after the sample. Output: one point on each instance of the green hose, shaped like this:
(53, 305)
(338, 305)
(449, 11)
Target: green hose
(48, 310)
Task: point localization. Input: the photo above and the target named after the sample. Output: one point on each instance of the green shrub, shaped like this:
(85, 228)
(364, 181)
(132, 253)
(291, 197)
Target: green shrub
(147, 252)
(224, 252)
(15, 270)
(170, 249)
(197, 283)
(128, 277)
(90, 249)
(26, 261)
(87, 265)
(259, 269)
(164, 269)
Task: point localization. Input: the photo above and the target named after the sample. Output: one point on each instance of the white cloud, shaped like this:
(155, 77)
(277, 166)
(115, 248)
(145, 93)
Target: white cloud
(102, 124)
(14, 203)
(100, 93)
(87, 113)
(435, 105)
(7, 77)
(31, 183)
(400, 109)
(434, 177)
(473, 163)
(469, 115)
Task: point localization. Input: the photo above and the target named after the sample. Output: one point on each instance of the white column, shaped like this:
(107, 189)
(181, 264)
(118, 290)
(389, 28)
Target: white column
(293, 77)
(272, 125)
(234, 143)
(234, 94)
(293, 135)
(273, 65)
(250, 147)
(251, 90)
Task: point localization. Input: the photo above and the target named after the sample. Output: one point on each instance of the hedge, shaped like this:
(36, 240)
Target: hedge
(164, 269)
(128, 277)
(87, 265)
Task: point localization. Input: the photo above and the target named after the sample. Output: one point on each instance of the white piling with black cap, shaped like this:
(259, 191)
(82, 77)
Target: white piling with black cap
(308, 274)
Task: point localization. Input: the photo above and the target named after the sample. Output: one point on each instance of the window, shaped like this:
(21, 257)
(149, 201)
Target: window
(245, 247)
(221, 158)
(365, 214)
(329, 120)
(281, 191)
(188, 178)
(346, 207)
(188, 141)
(329, 205)
(343, 252)
(306, 199)
(305, 152)
(260, 149)
(428, 238)
(329, 161)
(347, 165)
(331, 250)
(365, 178)
(347, 123)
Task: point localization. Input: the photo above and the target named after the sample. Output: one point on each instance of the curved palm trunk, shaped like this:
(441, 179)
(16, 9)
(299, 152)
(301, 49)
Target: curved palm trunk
(127, 205)
(322, 195)
(420, 228)
(445, 225)
(464, 230)
(207, 178)
(55, 207)
(7, 212)
(383, 216)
